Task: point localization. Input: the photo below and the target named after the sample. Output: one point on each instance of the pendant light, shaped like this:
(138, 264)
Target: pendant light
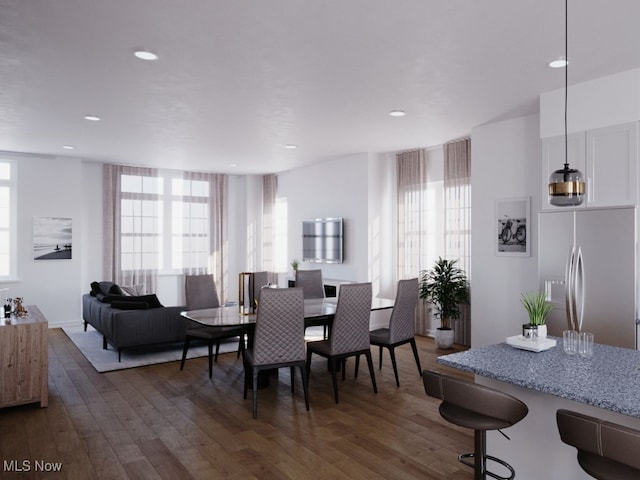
(566, 186)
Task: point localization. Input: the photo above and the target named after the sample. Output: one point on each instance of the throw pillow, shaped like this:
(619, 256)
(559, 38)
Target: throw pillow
(134, 290)
(125, 305)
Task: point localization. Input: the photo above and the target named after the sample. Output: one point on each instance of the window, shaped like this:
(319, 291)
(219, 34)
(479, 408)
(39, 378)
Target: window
(280, 235)
(164, 222)
(8, 244)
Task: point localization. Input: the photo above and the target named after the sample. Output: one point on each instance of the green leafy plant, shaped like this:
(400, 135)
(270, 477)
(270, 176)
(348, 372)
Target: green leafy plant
(536, 305)
(294, 264)
(446, 287)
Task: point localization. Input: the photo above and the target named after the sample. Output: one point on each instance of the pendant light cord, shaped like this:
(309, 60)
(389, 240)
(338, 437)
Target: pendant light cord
(566, 82)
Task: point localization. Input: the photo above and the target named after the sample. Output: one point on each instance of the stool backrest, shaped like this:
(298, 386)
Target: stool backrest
(595, 436)
(474, 397)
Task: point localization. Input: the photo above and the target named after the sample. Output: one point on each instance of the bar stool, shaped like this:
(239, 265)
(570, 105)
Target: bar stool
(480, 408)
(606, 451)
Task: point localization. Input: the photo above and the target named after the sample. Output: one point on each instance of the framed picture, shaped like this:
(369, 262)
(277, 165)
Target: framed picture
(513, 219)
(52, 238)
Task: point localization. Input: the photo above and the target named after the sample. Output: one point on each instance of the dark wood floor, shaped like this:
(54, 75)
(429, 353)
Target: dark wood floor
(160, 422)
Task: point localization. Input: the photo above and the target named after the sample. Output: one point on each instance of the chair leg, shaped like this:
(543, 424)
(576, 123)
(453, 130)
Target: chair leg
(184, 352)
(293, 377)
(371, 371)
(217, 349)
(305, 385)
(380, 355)
(210, 346)
(355, 373)
(308, 363)
(334, 379)
(246, 380)
(415, 355)
(255, 393)
(392, 352)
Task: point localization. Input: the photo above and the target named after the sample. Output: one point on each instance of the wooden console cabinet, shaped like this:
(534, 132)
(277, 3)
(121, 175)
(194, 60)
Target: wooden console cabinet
(24, 359)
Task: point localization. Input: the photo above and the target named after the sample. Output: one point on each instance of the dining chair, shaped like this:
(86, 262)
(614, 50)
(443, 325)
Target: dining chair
(311, 283)
(401, 329)
(349, 335)
(278, 339)
(200, 293)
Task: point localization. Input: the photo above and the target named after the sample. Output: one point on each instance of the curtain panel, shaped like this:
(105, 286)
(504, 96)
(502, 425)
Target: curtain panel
(269, 192)
(411, 187)
(194, 257)
(112, 267)
(457, 203)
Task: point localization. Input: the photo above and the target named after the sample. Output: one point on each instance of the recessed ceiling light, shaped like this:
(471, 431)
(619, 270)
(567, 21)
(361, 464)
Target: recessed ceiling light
(233, 164)
(291, 146)
(68, 147)
(92, 118)
(559, 62)
(144, 54)
(397, 113)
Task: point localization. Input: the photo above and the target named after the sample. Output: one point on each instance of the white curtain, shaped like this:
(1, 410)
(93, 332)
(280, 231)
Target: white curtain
(196, 203)
(269, 192)
(112, 224)
(457, 202)
(412, 224)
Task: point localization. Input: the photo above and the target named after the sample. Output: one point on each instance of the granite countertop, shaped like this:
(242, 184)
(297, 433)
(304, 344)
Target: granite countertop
(610, 379)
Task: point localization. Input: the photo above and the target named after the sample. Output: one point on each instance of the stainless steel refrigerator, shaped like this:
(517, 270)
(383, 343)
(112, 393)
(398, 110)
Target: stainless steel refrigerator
(587, 265)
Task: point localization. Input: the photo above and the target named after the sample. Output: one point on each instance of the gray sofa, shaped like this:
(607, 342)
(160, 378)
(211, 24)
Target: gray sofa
(133, 325)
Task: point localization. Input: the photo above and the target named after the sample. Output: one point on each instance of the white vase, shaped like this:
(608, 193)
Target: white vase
(542, 331)
(444, 338)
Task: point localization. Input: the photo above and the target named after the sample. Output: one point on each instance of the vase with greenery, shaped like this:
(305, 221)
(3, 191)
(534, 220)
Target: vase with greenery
(446, 287)
(537, 307)
(294, 264)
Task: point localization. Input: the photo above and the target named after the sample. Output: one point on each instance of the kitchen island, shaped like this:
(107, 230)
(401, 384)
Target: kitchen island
(606, 385)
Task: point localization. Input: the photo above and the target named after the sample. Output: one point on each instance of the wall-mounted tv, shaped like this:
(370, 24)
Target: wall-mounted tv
(322, 240)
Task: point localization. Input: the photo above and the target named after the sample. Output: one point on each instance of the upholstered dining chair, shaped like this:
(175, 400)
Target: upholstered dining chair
(349, 335)
(401, 328)
(311, 283)
(200, 293)
(606, 450)
(278, 339)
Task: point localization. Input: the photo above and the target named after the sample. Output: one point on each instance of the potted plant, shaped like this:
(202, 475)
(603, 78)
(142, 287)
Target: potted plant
(294, 264)
(537, 307)
(446, 287)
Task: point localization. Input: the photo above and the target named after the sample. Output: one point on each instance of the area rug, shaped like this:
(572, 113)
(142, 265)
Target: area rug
(90, 345)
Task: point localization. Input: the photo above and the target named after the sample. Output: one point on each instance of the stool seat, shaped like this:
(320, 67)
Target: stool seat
(469, 405)
(606, 450)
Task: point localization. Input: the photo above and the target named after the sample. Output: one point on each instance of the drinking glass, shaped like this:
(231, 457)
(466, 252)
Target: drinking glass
(570, 342)
(585, 344)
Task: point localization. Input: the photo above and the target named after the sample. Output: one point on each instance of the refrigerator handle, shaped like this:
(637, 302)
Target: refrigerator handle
(578, 294)
(568, 288)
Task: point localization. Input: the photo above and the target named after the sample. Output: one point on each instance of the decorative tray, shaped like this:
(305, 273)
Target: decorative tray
(538, 345)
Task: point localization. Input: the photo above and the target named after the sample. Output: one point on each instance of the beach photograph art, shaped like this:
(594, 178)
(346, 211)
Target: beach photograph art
(51, 238)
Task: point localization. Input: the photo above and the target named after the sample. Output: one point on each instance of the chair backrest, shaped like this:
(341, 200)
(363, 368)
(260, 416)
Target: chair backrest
(402, 321)
(256, 282)
(591, 435)
(473, 397)
(200, 292)
(279, 333)
(350, 328)
(311, 283)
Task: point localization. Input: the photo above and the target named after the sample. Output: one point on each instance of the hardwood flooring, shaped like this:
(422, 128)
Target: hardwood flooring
(158, 422)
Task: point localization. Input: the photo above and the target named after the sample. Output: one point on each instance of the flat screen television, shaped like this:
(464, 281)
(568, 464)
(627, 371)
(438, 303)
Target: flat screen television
(323, 240)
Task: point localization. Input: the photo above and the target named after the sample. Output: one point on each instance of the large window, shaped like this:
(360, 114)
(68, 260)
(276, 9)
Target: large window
(7, 219)
(164, 221)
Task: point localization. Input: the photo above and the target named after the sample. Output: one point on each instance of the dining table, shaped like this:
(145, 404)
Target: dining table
(317, 312)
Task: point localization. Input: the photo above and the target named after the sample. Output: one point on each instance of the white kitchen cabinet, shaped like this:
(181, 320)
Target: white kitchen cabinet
(608, 159)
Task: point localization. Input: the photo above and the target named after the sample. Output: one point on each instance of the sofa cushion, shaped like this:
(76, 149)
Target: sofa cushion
(134, 290)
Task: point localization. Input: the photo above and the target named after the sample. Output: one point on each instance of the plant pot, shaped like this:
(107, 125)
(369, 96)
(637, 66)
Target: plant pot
(444, 338)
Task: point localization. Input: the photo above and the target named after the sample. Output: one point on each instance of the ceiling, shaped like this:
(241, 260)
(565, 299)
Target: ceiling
(237, 80)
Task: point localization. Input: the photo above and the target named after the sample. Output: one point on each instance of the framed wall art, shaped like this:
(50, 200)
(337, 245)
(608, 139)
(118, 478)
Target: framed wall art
(513, 220)
(52, 238)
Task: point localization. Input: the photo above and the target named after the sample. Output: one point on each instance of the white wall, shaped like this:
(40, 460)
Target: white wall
(50, 187)
(333, 188)
(505, 161)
